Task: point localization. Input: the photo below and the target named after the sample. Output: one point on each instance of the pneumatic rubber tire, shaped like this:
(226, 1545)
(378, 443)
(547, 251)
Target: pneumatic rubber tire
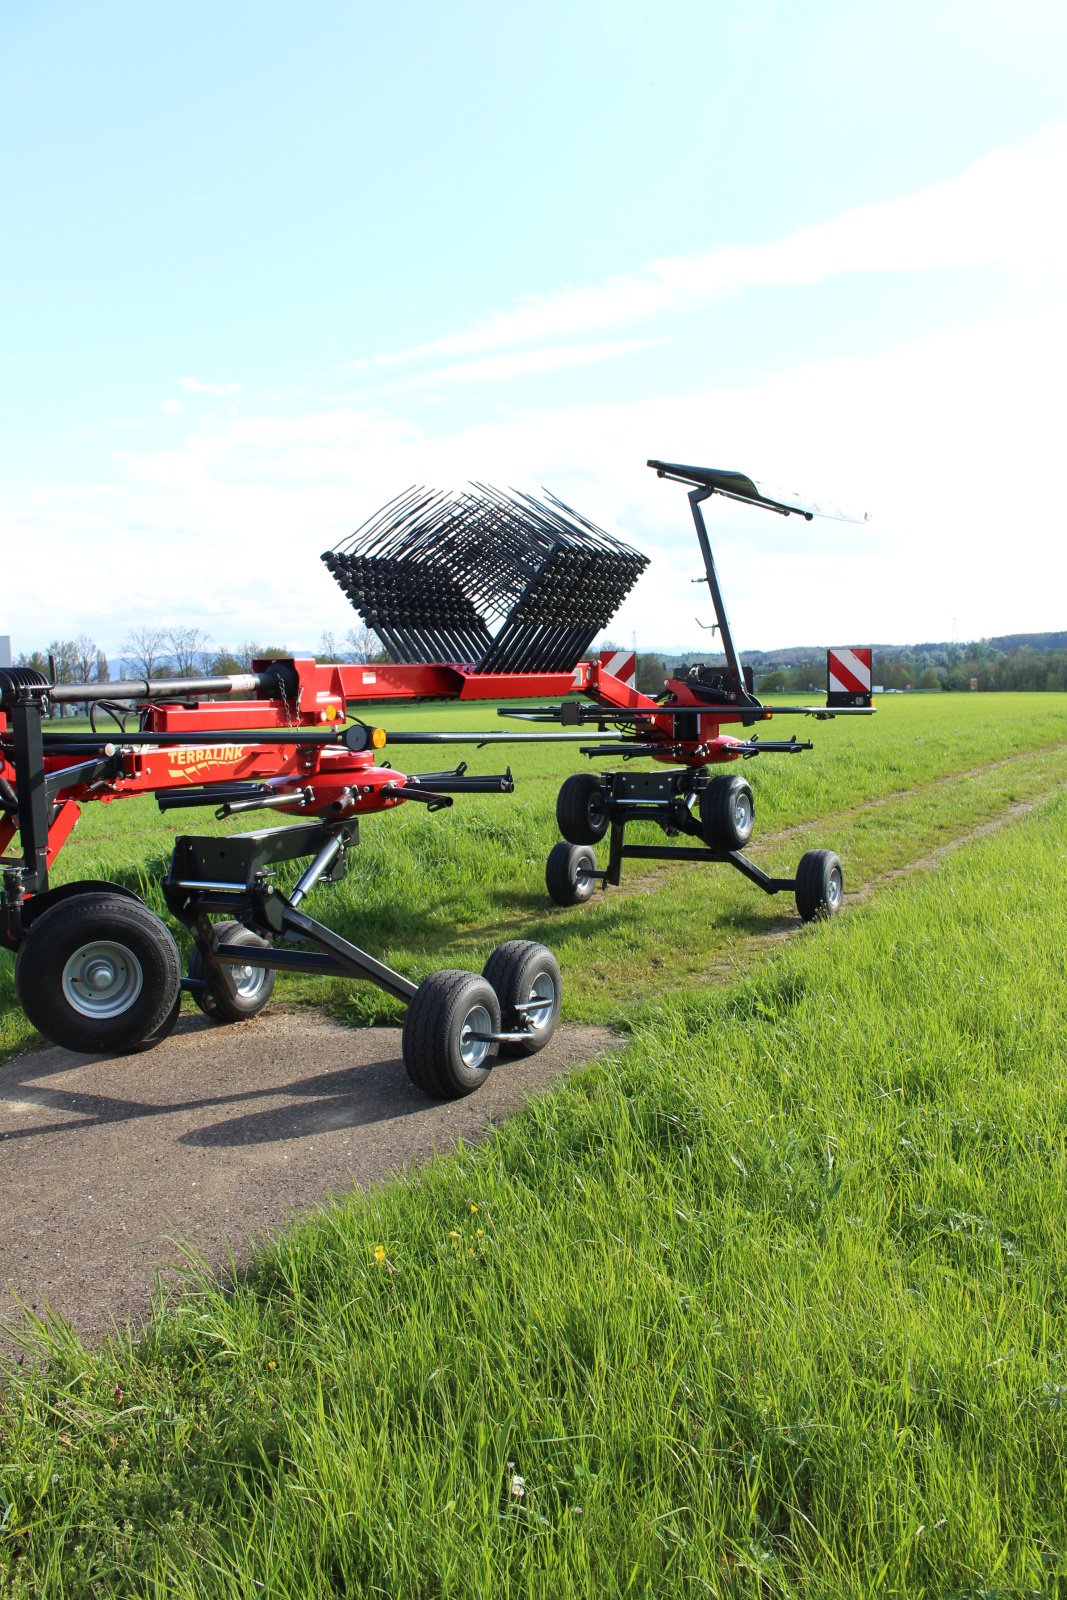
(440, 1054)
(727, 814)
(525, 976)
(569, 873)
(580, 811)
(100, 973)
(254, 985)
(820, 885)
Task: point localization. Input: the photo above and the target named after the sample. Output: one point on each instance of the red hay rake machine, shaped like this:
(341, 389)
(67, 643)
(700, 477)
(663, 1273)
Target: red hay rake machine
(478, 597)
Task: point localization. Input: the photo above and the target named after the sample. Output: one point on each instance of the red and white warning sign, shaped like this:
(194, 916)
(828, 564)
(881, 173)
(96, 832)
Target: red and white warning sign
(848, 676)
(622, 664)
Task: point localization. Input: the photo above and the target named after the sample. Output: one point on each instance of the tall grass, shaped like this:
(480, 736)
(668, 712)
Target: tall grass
(771, 1303)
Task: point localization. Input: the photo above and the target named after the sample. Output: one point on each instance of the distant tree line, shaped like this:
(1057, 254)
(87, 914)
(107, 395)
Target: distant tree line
(185, 653)
(179, 653)
(982, 665)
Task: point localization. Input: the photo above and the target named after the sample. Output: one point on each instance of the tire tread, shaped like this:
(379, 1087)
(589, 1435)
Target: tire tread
(53, 938)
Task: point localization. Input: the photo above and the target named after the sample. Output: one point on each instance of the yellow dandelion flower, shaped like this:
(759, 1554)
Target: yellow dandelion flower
(473, 1206)
(271, 1365)
(379, 1253)
(479, 1232)
(453, 1233)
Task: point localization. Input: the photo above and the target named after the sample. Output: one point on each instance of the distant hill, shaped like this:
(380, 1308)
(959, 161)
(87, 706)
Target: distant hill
(800, 654)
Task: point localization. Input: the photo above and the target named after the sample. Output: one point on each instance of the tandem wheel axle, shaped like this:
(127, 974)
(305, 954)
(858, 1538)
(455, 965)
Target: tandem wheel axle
(97, 971)
(720, 811)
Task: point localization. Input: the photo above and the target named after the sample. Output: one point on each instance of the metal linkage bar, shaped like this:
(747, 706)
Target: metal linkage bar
(682, 852)
(210, 874)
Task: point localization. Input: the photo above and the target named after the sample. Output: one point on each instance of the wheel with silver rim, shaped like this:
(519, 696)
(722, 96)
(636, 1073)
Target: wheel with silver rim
(99, 973)
(102, 979)
(570, 873)
(525, 976)
(252, 986)
(727, 813)
(820, 885)
(447, 1045)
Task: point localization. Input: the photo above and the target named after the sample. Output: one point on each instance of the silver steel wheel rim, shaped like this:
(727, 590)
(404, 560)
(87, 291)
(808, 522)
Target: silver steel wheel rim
(102, 979)
(742, 812)
(474, 1051)
(248, 981)
(583, 872)
(541, 1002)
(834, 890)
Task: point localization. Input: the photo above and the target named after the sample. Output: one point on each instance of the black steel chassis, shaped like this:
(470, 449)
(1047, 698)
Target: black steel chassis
(232, 875)
(665, 798)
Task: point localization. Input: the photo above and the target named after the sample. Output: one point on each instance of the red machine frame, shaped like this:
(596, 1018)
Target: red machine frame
(279, 738)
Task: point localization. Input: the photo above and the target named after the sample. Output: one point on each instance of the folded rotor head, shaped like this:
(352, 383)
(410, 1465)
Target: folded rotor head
(494, 580)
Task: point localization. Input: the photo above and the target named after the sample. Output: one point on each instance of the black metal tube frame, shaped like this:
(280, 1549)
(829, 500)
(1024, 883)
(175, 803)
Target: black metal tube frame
(266, 910)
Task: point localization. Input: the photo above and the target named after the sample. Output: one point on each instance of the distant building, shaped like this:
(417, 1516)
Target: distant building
(5, 650)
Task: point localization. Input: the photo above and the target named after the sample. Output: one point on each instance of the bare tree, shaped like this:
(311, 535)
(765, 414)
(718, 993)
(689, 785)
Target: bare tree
(330, 648)
(144, 648)
(84, 653)
(186, 647)
(251, 651)
(363, 643)
(64, 652)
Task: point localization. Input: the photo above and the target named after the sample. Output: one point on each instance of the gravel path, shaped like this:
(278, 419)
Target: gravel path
(217, 1136)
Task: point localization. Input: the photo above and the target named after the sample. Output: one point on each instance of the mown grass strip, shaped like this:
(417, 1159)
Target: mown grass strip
(774, 1302)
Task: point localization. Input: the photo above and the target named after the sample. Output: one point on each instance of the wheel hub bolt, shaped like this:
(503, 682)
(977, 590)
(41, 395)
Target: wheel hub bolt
(100, 975)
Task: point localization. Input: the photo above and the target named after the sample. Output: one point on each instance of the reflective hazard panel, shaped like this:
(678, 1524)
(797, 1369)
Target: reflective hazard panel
(848, 676)
(622, 664)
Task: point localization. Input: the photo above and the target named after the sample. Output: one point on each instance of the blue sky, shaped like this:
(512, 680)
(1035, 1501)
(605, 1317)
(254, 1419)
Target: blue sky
(265, 266)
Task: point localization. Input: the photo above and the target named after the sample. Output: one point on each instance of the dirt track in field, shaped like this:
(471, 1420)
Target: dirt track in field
(730, 966)
(216, 1137)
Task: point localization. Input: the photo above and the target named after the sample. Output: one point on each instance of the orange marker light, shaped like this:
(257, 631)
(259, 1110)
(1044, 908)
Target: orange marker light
(377, 738)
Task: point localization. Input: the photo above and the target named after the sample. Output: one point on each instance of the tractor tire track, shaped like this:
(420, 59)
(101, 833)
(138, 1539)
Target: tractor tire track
(942, 781)
(645, 880)
(757, 946)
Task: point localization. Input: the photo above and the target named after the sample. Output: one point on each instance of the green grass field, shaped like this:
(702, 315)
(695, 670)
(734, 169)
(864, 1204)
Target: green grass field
(770, 1303)
(440, 891)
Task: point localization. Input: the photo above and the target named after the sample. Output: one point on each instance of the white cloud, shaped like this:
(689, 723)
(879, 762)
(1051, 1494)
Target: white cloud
(1001, 212)
(514, 364)
(948, 441)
